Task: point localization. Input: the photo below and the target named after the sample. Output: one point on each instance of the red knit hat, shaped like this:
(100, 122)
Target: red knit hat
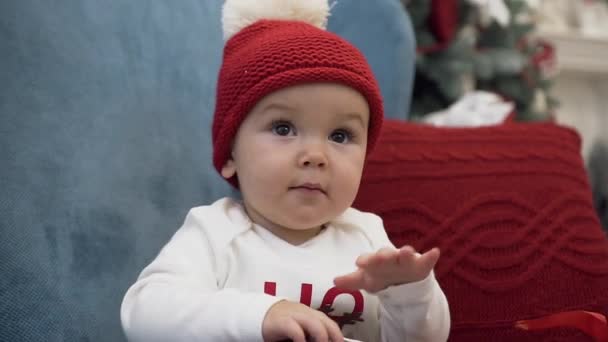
(275, 49)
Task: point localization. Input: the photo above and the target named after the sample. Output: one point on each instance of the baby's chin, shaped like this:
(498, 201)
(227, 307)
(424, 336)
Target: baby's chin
(304, 218)
(306, 223)
(307, 217)
(305, 227)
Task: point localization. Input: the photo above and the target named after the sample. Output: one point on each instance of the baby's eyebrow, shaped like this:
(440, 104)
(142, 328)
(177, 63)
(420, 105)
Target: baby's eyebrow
(282, 107)
(352, 117)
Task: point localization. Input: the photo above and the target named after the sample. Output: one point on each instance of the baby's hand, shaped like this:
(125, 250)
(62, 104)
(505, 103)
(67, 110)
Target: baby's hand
(389, 266)
(298, 323)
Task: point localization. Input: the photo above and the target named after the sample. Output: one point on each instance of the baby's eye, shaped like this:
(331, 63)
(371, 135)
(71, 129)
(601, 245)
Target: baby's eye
(282, 128)
(340, 136)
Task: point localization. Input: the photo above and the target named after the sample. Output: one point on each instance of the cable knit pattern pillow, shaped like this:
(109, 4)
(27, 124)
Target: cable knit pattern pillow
(511, 209)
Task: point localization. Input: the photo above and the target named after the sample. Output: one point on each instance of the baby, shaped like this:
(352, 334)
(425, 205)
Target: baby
(298, 110)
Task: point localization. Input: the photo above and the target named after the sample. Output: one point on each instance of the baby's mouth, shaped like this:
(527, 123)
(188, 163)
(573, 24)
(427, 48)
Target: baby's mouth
(311, 187)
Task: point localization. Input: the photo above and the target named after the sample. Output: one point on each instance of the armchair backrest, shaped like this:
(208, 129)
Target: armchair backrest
(105, 111)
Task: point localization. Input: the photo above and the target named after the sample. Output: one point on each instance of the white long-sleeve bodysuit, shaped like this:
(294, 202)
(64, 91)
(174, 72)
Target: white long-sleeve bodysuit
(220, 273)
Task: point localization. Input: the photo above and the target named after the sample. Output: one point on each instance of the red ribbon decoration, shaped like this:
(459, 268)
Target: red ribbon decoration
(443, 22)
(591, 323)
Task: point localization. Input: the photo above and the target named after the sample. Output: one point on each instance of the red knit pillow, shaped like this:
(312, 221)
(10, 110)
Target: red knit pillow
(510, 207)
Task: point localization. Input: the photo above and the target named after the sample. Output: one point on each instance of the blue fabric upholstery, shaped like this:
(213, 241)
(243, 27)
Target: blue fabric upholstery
(383, 31)
(105, 111)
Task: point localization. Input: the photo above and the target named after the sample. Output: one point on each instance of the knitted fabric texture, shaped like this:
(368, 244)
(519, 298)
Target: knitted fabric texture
(511, 209)
(273, 54)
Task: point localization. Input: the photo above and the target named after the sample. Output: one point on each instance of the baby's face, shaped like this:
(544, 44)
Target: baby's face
(299, 156)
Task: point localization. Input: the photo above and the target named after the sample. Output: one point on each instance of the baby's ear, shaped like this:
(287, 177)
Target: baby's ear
(229, 169)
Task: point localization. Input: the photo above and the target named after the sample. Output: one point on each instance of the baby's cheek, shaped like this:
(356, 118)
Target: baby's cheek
(348, 186)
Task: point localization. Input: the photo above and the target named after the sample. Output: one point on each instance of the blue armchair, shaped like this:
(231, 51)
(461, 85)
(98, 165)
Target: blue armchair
(105, 110)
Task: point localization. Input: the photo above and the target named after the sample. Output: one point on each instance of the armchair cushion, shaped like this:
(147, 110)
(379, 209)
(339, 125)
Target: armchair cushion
(510, 208)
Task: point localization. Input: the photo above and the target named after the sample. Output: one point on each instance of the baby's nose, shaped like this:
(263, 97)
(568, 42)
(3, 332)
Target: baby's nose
(313, 156)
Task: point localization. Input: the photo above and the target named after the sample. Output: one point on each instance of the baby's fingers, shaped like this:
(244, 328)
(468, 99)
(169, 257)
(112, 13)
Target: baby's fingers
(364, 259)
(407, 254)
(351, 281)
(407, 250)
(314, 328)
(294, 331)
(333, 331)
(430, 258)
(422, 264)
(383, 255)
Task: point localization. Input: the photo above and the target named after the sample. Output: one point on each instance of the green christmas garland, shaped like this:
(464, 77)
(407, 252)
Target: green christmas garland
(456, 54)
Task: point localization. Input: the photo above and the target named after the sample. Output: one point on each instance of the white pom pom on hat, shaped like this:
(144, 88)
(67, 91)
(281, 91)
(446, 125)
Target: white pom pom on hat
(238, 14)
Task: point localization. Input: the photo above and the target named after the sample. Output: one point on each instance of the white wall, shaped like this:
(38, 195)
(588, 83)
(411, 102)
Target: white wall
(582, 86)
(584, 106)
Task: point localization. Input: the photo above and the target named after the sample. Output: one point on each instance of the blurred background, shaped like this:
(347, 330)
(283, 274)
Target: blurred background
(548, 58)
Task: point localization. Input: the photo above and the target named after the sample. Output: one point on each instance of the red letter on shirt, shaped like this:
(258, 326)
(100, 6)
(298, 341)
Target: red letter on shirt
(270, 288)
(346, 318)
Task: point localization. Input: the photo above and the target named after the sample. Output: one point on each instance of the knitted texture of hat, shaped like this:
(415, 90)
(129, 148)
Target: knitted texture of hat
(273, 54)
